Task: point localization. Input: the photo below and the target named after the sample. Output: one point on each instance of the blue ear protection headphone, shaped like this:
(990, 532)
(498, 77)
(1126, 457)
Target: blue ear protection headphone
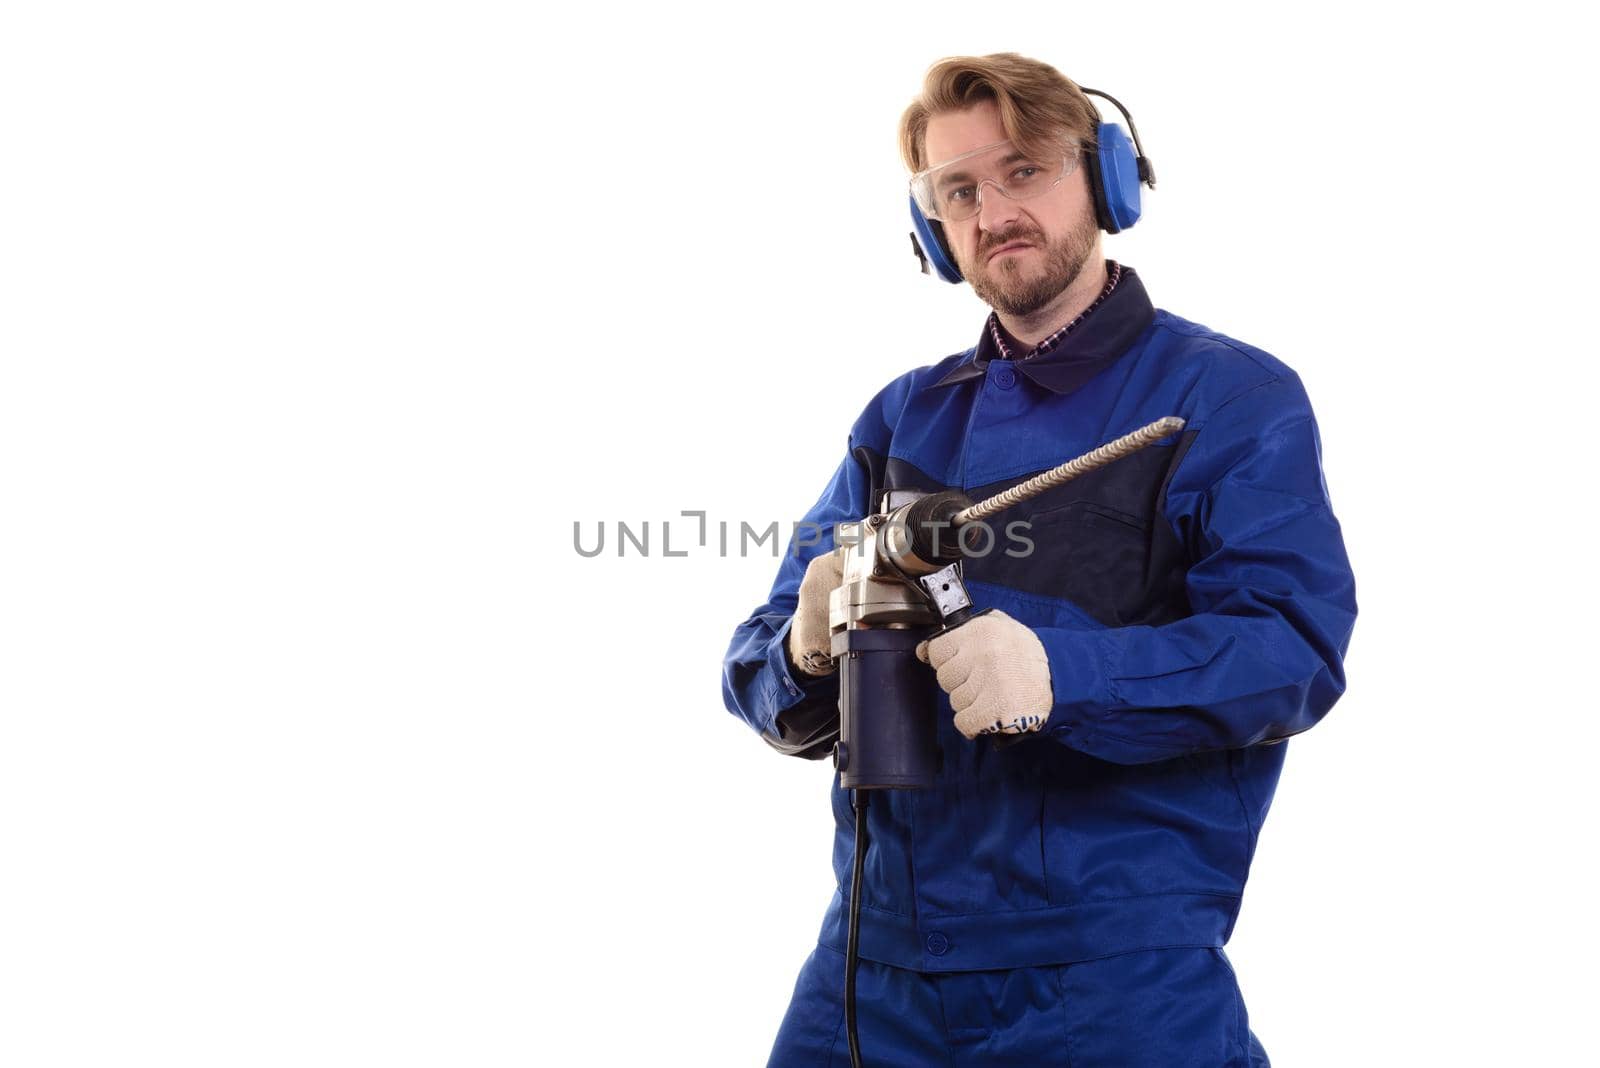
(1116, 168)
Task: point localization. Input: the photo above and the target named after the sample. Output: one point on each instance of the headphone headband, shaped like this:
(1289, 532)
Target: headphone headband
(1147, 173)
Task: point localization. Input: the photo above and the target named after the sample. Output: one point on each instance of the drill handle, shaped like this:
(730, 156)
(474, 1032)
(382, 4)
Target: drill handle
(958, 617)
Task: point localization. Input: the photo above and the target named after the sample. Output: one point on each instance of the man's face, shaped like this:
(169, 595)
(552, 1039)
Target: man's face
(1018, 254)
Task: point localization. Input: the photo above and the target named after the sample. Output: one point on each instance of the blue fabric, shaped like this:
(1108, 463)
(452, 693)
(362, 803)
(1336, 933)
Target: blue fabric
(1195, 602)
(1166, 1008)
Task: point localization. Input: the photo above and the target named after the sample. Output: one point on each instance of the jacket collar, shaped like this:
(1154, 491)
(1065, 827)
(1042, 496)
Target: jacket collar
(1092, 345)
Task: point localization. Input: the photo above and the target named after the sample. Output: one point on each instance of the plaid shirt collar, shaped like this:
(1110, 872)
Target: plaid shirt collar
(1078, 351)
(1004, 351)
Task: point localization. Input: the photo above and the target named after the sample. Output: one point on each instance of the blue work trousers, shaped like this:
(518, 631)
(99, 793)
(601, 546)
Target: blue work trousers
(1159, 1008)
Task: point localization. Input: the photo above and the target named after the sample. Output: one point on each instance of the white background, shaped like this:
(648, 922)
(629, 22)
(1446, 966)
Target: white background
(323, 323)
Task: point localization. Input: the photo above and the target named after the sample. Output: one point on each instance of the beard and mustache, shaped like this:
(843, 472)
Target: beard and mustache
(1019, 290)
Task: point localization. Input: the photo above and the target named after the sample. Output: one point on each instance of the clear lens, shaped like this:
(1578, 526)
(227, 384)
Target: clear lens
(951, 191)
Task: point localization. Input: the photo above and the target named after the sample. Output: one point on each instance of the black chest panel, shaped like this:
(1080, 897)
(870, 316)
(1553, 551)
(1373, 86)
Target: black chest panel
(1099, 541)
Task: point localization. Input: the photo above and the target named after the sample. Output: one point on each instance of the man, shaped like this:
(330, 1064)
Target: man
(1184, 610)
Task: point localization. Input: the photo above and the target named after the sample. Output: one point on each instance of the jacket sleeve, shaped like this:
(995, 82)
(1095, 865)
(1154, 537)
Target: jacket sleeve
(794, 712)
(1271, 591)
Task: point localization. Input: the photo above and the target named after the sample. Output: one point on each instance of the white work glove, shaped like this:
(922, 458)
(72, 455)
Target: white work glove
(809, 639)
(996, 674)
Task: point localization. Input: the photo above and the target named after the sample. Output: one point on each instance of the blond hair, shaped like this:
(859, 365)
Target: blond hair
(1038, 104)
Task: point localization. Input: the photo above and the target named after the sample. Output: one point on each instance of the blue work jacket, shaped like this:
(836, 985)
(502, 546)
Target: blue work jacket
(1195, 603)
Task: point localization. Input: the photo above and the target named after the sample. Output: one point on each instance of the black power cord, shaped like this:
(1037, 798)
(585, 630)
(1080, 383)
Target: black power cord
(859, 800)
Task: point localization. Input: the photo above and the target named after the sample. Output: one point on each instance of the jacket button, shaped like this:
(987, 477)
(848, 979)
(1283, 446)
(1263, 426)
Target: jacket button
(1005, 378)
(938, 944)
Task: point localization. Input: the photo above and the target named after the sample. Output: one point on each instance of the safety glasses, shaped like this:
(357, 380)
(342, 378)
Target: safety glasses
(953, 190)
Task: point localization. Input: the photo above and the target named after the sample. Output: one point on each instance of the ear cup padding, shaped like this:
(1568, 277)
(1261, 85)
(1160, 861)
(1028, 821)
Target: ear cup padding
(1102, 214)
(930, 238)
